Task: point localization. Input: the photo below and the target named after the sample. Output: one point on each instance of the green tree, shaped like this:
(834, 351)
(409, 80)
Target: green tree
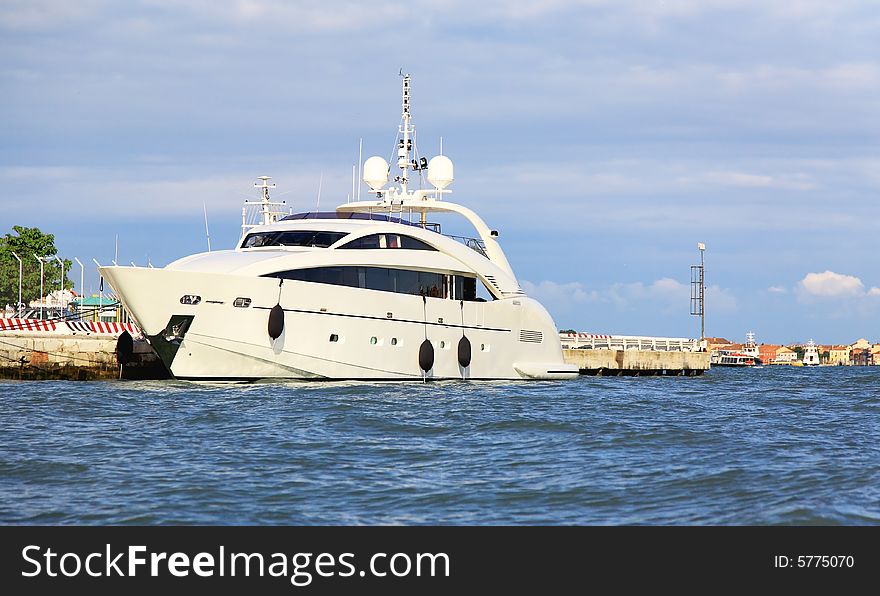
(27, 242)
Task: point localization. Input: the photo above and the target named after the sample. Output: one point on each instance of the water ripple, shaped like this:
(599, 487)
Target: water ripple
(769, 446)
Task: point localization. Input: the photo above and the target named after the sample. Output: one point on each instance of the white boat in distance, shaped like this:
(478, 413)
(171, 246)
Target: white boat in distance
(359, 293)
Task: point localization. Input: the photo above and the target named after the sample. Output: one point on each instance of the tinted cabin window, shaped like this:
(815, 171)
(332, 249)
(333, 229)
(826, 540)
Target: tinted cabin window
(388, 241)
(292, 238)
(469, 290)
(411, 243)
(400, 281)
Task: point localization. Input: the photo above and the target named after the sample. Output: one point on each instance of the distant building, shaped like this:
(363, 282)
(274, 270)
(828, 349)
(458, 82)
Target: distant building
(860, 357)
(785, 355)
(767, 352)
(839, 355)
(97, 308)
(716, 343)
(861, 344)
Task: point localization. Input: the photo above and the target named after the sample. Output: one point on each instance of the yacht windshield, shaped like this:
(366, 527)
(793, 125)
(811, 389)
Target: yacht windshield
(292, 238)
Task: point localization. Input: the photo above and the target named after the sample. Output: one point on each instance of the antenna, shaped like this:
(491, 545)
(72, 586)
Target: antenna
(360, 161)
(320, 184)
(207, 233)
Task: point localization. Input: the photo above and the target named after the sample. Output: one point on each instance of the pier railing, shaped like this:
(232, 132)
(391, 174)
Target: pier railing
(591, 341)
(60, 327)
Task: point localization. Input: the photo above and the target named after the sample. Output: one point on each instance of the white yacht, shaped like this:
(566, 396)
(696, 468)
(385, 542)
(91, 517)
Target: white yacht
(811, 354)
(363, 292)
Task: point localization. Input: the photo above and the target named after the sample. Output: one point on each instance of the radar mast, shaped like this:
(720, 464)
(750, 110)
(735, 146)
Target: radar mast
(404, 147)
(265, 204)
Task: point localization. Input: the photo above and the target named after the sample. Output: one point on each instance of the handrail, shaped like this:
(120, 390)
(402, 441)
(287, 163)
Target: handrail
(472, 243)
(590, 341)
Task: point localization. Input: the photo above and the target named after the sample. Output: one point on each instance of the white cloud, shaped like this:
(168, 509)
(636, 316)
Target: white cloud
(168, 191)
(787, 181)
(43, 13)
(572, 292)
(829, 284)
(664, 295)
(720, 300)
(777, 290)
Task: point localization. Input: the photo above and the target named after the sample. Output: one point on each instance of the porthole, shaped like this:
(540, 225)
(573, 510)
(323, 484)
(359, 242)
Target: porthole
(334, 338)
(374, 340)
(442, 344)
(241, 302)
(190, 299)
(393, 341)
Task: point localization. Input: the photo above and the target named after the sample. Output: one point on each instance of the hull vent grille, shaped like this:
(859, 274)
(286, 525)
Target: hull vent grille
(534, 337)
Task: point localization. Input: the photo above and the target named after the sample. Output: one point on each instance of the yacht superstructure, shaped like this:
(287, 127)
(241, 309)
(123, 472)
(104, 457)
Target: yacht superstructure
(363, 292)
(750, 348)
(811, 354)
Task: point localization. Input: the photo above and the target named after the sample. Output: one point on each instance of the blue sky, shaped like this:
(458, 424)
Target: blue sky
(604, 139)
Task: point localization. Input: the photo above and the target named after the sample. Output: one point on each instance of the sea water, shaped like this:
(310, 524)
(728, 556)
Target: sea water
(773, 445)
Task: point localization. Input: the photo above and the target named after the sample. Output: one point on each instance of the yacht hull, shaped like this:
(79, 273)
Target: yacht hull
(331, 332)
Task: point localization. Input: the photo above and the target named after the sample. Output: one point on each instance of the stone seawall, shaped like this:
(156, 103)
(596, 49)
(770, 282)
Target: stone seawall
(638, 362)
(75, 357)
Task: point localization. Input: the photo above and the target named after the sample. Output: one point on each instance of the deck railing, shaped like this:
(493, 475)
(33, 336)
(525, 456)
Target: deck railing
(591, 341)
(472, 243)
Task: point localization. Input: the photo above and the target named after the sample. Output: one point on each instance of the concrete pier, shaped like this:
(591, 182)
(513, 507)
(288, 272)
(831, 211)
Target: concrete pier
(74, 357)
(637, 362)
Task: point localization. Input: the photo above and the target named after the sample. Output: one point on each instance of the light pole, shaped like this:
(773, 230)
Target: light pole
(40, 259)
(100, 291)
(698, 293)
(18, 306)
(62, 286)
(82, 291)
(702, 248)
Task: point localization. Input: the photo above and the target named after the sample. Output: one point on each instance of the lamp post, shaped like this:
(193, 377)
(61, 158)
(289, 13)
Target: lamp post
(100, 291)
(42, 299)
(82, 290)
(698, 293)
(62, 286)
(702, 248)
(18, 306)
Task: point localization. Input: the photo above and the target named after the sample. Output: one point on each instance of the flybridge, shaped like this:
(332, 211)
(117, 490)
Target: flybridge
(400, 200)
(397, 203)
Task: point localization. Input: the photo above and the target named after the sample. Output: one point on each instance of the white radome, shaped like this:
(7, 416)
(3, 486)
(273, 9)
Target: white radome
(376, 172)
(440, 172)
